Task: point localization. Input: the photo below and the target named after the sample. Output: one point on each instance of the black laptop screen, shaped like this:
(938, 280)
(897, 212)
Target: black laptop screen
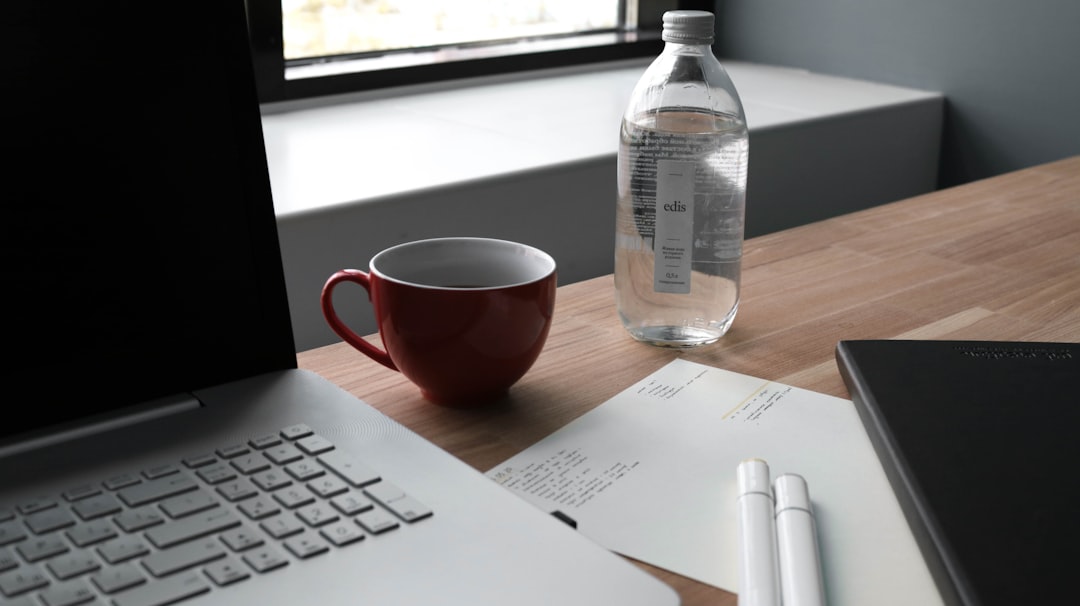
(139, 236)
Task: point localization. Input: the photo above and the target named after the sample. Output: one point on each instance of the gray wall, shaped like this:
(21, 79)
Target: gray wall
(1009, 69)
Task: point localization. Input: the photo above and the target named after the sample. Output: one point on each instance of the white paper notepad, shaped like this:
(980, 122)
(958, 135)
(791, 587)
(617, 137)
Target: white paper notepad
(650, 474)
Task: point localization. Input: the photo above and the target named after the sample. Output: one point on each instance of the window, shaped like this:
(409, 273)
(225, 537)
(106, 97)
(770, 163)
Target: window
(311, 48)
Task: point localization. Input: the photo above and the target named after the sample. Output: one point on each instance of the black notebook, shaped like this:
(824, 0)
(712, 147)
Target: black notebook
(980, 441)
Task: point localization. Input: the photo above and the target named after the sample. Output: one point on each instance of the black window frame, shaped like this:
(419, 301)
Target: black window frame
(265, 28)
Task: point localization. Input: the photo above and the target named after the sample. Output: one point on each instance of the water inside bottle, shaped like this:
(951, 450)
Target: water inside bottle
(716, 146)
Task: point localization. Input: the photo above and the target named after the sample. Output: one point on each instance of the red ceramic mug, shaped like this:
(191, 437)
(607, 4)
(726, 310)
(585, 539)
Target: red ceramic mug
(462, 318)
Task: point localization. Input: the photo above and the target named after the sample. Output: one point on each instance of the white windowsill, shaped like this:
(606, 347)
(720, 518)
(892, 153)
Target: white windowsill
(382, 146)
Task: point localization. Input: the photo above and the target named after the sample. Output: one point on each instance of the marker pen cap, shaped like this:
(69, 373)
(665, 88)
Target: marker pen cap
(791, 492)
(753, 475)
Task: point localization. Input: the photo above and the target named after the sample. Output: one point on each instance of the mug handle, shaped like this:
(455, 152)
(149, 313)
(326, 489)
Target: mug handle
(339, 327)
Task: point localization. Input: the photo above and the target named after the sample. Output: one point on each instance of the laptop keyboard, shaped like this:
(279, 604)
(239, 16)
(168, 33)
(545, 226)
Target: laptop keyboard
(162, 535)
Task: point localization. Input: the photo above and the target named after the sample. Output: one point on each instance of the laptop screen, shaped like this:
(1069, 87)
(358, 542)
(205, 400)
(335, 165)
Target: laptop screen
(139, 234)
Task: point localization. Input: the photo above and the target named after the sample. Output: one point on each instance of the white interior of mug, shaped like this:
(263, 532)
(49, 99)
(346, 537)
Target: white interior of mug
(466, 263)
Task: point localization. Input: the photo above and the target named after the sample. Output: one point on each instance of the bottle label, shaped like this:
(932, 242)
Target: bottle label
(674, 236)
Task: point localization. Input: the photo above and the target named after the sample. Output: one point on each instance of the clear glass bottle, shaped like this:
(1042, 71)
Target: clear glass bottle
(683, 156)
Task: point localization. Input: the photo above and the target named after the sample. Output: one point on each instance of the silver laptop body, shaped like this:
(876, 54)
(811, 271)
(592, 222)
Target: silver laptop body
(159, 444)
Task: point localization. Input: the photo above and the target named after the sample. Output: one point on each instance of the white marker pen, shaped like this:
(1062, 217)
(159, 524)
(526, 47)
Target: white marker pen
(759, 580)
(796, 534)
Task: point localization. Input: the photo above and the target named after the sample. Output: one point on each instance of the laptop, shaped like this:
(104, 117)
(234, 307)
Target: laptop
(159, 443)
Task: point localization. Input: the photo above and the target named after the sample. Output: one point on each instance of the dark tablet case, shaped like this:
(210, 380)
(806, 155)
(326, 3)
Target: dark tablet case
(981, 442)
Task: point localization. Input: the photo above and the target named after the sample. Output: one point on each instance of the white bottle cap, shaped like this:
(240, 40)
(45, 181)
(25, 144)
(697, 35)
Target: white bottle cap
(688, 27)
(791, 493)
(753, 476)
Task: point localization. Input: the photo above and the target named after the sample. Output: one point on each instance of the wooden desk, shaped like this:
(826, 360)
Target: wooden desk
(994, 260)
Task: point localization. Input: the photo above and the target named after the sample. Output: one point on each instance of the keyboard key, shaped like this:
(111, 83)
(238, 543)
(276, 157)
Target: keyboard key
(122, 549)
(304, 470)
(200, 460)
(226, 572)
(237, 490)
(232, 451)
(251, 463)
(395, 499)
(216, 473)
(376, 521)
(160, 471)
(7, 559)
(193, 527)
(265, 559)
(168, 561)
(282, 526)
(81, 492)
(155, 490)
(259, 508)
(187, 504)
(134, 520)
(271, 480)
(384, 492)
(352, 471)
(121, 480)
(328, 486)
(73, 564)
(21, 580)
(306, 545)
(241, 539)
(295, 432)
(291, 498)
(89, 533)
(165, 591)
(35, 505)
(10, 532)
(283, 454)
(266, 441)
(50, 520)
(409, 509)
(39, 549)
(118, 578)
(97, 506)
(352, 503)
(341, 533)
(314, 445)
(68, 594)
(317, 514)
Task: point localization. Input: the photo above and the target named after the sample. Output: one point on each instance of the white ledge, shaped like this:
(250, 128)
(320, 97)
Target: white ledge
(390, 145)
